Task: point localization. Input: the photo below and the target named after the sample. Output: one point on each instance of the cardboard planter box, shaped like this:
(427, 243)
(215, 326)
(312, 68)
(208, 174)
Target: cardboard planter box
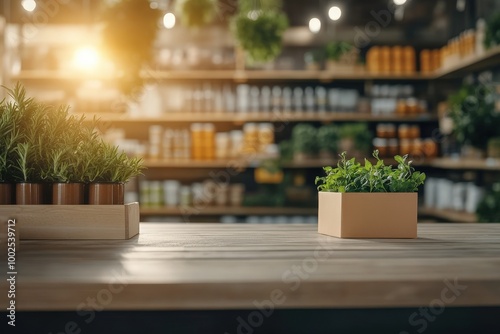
(368, 215)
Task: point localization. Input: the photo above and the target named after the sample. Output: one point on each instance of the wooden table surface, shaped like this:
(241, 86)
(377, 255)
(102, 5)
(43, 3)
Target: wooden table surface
(219, 266)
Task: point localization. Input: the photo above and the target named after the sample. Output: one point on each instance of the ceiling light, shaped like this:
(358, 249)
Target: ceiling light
(399, 2)
(169, 20)
(314, 25)
(28, 5)
(334, 13)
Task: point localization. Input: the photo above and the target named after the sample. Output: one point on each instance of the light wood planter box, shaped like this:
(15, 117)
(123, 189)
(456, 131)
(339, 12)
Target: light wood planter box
(368, 215)
(74, 221)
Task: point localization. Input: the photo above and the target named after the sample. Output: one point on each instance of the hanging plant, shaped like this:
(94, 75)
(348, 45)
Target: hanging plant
(259, 30)
(130, 28)
(492, 36)
(196, 13)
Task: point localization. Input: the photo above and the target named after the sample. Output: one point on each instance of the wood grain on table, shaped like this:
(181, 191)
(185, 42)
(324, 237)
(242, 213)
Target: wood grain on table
(219, 266)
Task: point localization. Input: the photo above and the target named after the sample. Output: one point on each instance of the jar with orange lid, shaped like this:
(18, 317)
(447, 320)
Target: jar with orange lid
(405, 146)
(414, 131)
(373, 59)
(397, 59)
(417, 148)
(430, 148)
(386, 130)
(436, 59)
(196, 141)
(408, 59)
(208, 137)
(401, 107)
(392, 147)
(412, 105)
(425, 61)
(251, 138)
(380, 144)
(404, 131)
(385, 63)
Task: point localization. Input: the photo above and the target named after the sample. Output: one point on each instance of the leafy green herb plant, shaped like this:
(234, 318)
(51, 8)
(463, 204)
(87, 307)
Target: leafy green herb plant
(259, 29)
(351, 176)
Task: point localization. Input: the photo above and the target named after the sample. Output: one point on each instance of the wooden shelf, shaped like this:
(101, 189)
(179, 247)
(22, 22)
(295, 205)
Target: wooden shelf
(464, 164)
(233, 75)
(242, 162)
(227, 210)
(489, 58)
(449, 215)
(276, 117)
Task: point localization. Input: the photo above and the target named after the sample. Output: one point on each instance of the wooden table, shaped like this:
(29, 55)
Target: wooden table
(262, 268)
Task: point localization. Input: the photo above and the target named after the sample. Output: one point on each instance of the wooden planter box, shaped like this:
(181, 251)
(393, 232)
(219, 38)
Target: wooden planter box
(74, 221)
(368, 215)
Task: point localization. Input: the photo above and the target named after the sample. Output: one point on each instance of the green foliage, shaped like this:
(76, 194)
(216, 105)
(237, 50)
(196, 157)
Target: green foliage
(492, 36)
(328, 137)
(475, 120)
(304, 138)
(286, 150)
(351, 176)
(259, 30)
(335, 50)
(129, 32)
(359, 133)
(45, 143)
(196, 13)
(488, 210)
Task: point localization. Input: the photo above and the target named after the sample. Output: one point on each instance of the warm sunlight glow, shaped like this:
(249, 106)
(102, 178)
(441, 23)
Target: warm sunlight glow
(314, 25)
(28, 5)
(169, 20)
(86, 58)
(334, 13)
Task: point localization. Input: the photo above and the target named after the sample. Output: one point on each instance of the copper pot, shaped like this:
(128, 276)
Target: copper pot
(106, 193)
(29, 193)
(67, 193)
(6, 193)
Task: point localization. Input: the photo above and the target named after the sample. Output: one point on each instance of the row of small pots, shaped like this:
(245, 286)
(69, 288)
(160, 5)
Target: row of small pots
(61, 193)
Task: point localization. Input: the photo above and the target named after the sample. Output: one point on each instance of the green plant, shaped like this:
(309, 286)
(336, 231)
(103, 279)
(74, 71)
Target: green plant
(196, 13)
(359, 133)
(26, 163)
(492, 36)
(45, 143)
(351, 176)
(129, 32)
(304, 138)
(328, 137)
(335, 50)
(111, 165)
(475, 120)
(488, 210)
(259, 31)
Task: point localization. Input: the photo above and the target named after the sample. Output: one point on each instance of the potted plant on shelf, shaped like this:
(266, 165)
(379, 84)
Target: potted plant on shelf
(341, 57)
(304, 142)
(492, 36)
(258, 27)
(328, 140)
(355, 138)
(475, 120)
(196, 13)
(370, 201)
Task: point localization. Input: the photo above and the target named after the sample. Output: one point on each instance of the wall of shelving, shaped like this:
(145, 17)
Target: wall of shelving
(53, 78)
